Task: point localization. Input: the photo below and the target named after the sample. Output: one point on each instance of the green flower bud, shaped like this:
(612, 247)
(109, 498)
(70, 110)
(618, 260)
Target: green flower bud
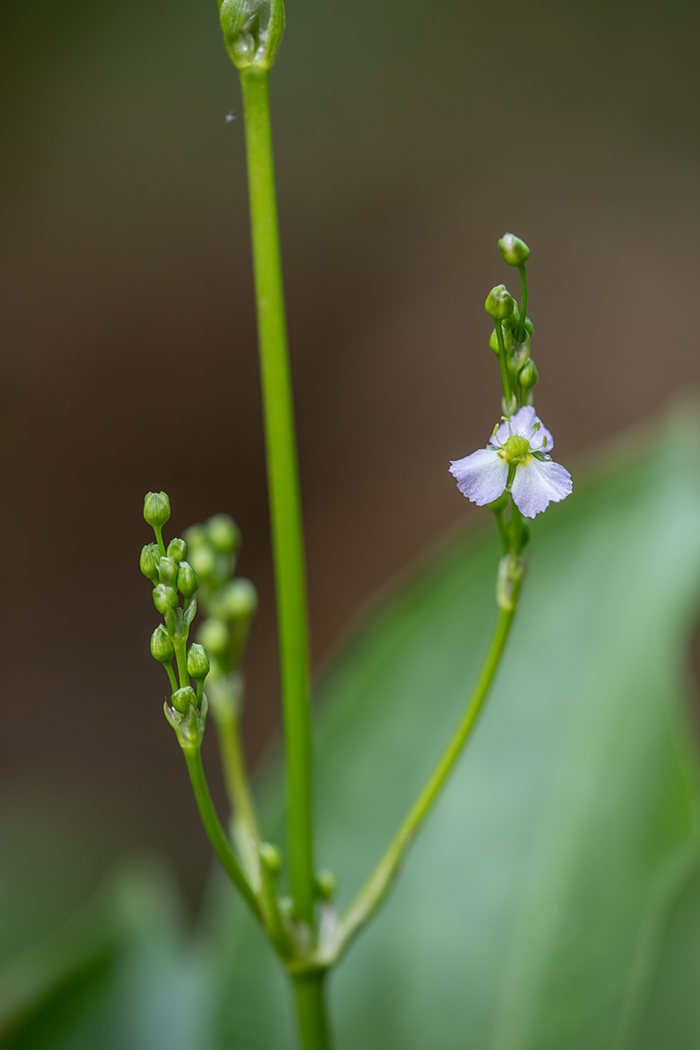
(164, 598)
(224, 534)
(182, 699)
(529, 327)
(213, 635)
(197, 662)
(162, 648)
(237, 601)
(513, 251)
(203, 560)
(326, 883)
(499, 303)
(177, 549)
(150, 556)
(187, 580)
(252, 31)
(527, 377)
(270, 856)
(156, 509)
(167, 571)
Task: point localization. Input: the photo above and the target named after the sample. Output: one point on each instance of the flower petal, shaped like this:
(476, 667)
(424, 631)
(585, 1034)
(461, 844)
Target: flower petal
(537, 484)
(523, 423)
(481, 477)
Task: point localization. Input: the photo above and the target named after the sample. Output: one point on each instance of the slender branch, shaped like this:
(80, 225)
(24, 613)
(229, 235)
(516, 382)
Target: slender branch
(311, 1010)
(379, 883)
(212, 826)
(283, 483)
(505, 378)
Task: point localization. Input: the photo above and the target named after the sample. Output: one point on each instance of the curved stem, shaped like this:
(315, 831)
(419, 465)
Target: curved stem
(283, 484)
(212, 826)
(379, 883)
(311, 1010)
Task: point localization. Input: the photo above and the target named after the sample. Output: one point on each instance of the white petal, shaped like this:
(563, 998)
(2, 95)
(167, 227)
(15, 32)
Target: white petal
(538, 484)
(523, 423)
(481, 477)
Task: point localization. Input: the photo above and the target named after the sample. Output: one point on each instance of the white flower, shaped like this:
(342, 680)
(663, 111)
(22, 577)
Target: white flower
(517, 457)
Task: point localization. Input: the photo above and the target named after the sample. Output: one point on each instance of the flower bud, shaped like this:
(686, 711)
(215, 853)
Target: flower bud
(177, 549)
(203, 560)
(513, 251)
(252, 31)
(499, 303)
(213, 635)
(164, 598)
(527, 377)
(156, 509)
(162, 648)
(223, 533)
(167, 571)
(182, 699)
(187, 580)
(529, 327)
(197, 662)
(326, 883)
(270, 857)
(237, 601)
(150, 556)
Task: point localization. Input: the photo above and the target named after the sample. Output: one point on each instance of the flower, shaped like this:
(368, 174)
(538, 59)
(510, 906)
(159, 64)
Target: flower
(517, 457)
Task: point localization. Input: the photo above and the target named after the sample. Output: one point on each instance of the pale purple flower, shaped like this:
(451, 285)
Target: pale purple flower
(518, 457)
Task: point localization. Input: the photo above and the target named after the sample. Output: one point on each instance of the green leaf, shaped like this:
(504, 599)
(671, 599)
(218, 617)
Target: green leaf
(531, 907)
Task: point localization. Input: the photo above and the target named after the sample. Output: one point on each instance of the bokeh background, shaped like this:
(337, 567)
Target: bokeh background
(408, 138)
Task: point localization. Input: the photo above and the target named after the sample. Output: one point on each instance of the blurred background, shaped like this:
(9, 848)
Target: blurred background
(409, 137)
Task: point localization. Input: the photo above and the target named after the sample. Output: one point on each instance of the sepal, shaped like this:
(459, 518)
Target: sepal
(252, 31)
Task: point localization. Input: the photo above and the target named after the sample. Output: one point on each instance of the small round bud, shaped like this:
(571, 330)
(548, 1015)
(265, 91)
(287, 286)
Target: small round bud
(213, 635)
(150, 556)
(156, 509)
(513, 251)
(527, 376)
(162, 648)
(529, 327)
(270, 856)
(197, 662)
(164, 598)
(237, 601)
(224, 534)
(177, 549)
(326, 883)
(203, 560)
(182, 699)
(499, 303)
(167, 571)
(187, 580)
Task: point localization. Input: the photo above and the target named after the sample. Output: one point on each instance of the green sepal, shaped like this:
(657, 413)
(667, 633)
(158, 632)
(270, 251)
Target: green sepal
(252, 31)
(189, 727)
(177, 549)
(176, 623)
(190, 612)
(167, 571)
(148, 562)
(164, 599)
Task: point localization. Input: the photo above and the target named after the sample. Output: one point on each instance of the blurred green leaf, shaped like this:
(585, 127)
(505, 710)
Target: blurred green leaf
(531, 908)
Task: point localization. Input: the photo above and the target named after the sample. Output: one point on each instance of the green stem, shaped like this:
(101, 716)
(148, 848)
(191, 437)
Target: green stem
(311, 1010)
(212, 826)
(171, 676)
(283, 484)
(523, 302)
(377, 886)
(505, 378)
(180, 647)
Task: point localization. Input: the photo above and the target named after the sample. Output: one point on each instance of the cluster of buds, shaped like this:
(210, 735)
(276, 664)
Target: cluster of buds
(513, 330)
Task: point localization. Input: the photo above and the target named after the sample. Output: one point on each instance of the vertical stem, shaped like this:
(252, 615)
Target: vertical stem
(523, 302)
(505, 379)
(283, 483)
(311, 1011)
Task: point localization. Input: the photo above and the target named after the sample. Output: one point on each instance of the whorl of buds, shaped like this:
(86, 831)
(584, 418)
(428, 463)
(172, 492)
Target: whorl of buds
(162, 648)
(499, 303)
(513, 251)
(156, 509)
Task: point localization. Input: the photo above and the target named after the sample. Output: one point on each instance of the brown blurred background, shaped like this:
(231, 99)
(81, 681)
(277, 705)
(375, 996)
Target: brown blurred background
(408, 138)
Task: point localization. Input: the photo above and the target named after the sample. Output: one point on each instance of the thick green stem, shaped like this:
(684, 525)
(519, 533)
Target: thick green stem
(212, 826)
(283, 483)
(309, 992)
(377, 886)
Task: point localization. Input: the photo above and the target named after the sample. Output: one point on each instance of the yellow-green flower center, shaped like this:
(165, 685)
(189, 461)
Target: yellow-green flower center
(516, 449)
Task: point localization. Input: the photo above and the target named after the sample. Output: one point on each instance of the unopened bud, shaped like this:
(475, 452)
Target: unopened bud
(326, 883)
(499, 303)
(187, 581)
(213, 635)
(162, 648)
(203, 560)
(177, 549)
(156, 509)
(197, 662)
(529, 327)
(182, 699)
(223, 533)
(237, 601)
(270, 856)
(150, 556)
(164, 598)
(527, 376)
(513, 251)
(252, 31)
(167, 571)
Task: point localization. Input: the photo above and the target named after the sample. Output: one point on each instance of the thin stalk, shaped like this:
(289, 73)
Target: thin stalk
(377, 886)
(283, 484)
(181, 659)
(171, 676)
(523, 302)
(311, 1010)
(505, 378)
(212, 826)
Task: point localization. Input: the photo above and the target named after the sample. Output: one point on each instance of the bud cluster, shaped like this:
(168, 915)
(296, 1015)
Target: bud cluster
(513, 330)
